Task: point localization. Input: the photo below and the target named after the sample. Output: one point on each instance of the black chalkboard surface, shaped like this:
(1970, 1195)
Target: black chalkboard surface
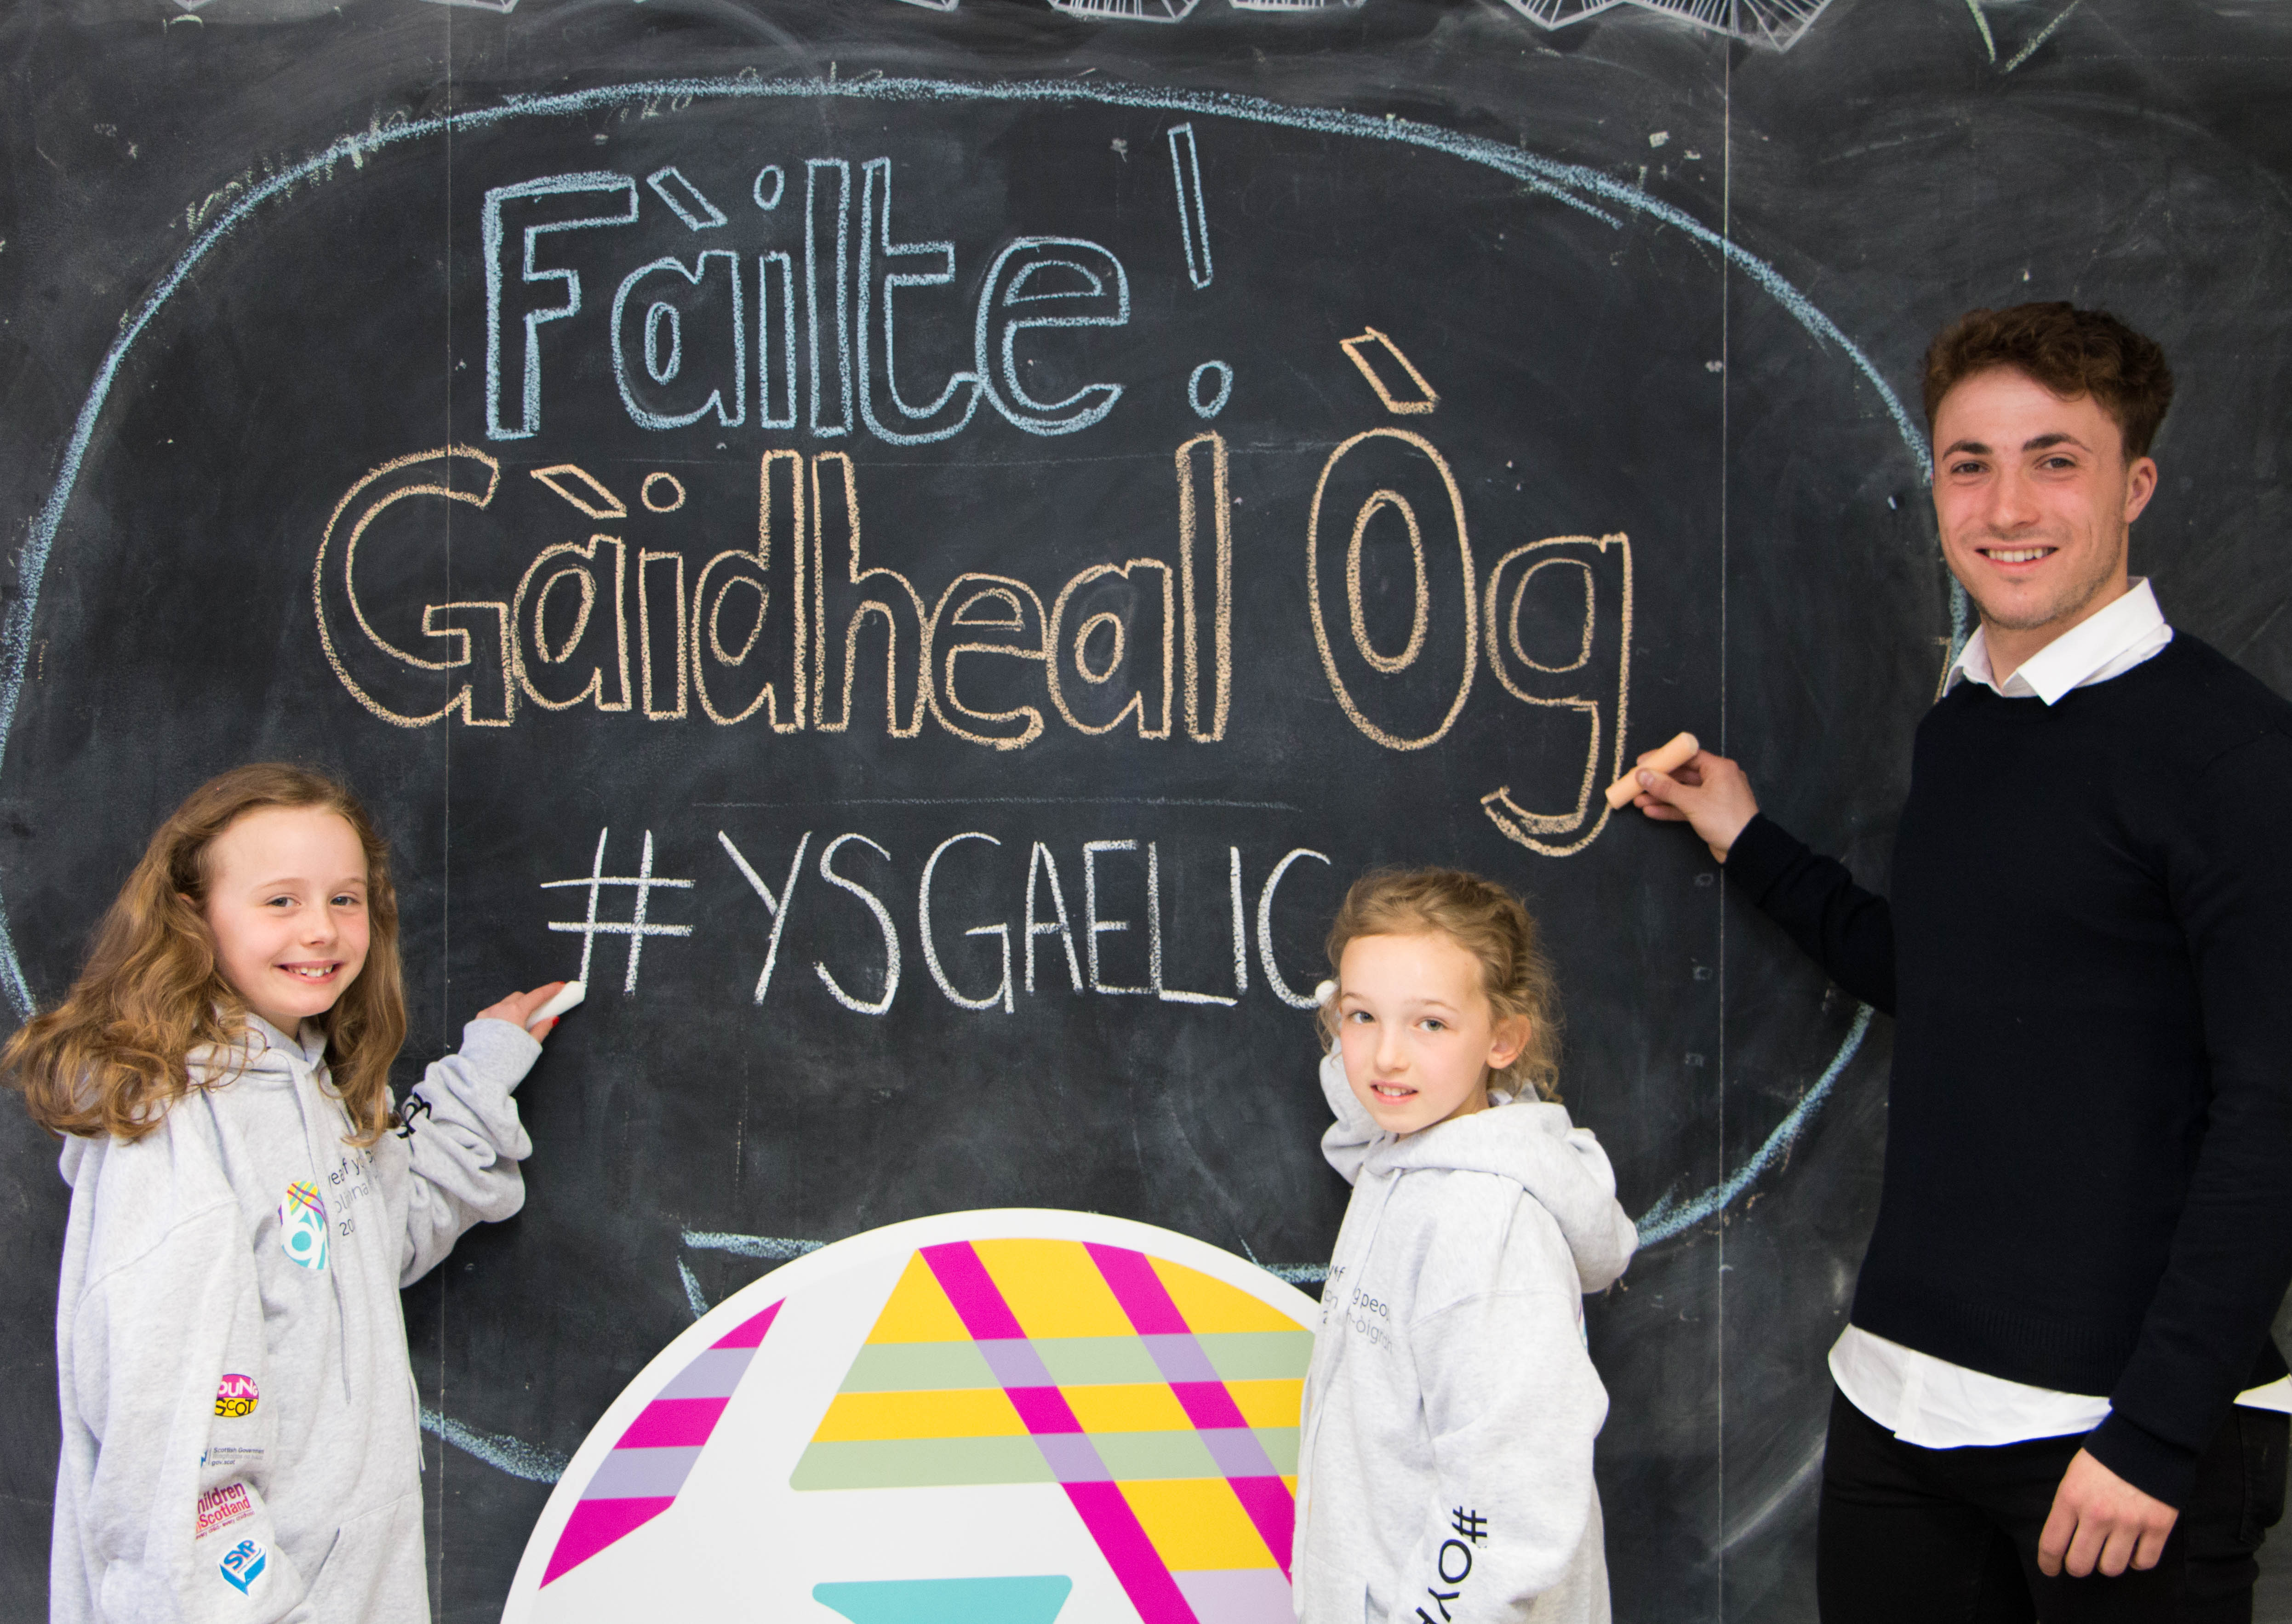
(920, 548)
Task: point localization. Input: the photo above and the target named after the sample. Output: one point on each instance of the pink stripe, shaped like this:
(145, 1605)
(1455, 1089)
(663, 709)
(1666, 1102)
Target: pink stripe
(672, 1423)
(595, 1525)
(1136, 1563)
(750, 1333)
(972, 1291)
(1273, 1509)
(1044, 1409)
(1138, 1289)
(1209, 1404)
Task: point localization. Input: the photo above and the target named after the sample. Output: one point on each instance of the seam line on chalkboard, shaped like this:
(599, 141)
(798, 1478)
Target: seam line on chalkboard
(1570, 185)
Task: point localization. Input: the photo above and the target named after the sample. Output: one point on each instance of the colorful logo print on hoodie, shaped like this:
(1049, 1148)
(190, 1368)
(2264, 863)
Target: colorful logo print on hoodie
(237, 1395)
(303, 1225)
(243, 1566)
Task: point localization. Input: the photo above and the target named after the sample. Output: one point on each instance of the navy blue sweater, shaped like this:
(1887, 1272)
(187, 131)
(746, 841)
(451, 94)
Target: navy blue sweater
(2088, 955)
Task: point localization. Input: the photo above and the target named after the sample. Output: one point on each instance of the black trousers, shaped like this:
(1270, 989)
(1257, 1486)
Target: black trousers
(1920, 1536)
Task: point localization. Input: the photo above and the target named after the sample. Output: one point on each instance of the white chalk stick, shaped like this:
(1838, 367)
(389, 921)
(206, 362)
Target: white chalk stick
(1677, 753)
(567, 996)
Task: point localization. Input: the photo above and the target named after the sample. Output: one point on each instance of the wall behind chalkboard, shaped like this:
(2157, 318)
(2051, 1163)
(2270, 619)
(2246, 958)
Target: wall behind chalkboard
(921, 548)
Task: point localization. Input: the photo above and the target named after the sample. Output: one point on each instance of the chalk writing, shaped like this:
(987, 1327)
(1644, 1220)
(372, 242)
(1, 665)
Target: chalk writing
(636, 928)
(1193, 218)
(1420, 395)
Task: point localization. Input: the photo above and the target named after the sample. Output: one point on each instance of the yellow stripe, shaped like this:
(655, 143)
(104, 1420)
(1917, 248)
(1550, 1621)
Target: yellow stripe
(1269, 1403)
(977, 1413)
(1143, 1407)
(1196, 1522)
(1054, 1289)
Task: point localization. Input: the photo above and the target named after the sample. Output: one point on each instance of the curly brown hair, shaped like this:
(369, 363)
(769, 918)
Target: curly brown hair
(114, 1055)
(1488, 922)
(2070, 351)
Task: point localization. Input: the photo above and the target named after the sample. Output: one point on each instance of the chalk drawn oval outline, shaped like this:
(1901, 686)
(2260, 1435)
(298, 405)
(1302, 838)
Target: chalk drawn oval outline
(1194, 389)
(1573, 185)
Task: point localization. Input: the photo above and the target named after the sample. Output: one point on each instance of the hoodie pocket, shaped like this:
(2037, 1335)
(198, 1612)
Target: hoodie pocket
(374, 1570)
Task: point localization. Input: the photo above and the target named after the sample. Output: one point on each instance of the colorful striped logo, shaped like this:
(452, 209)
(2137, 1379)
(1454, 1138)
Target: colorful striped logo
(1163, 1403)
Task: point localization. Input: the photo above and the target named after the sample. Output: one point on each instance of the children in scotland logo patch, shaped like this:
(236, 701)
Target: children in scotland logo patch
(303, 1225)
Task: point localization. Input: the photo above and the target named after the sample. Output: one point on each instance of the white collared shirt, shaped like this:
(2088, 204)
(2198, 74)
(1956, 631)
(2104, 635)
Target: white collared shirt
(2105, 644)
(1931, 1401)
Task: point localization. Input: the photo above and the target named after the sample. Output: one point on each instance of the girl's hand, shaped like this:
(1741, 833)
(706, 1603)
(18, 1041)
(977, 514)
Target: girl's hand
(519, 1006)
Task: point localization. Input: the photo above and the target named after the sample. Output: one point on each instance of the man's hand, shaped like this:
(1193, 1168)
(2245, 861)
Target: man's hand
(2100, 1520)
(1708, 791)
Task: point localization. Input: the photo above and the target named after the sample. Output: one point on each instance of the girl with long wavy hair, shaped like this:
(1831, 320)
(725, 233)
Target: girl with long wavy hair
(239, 1415)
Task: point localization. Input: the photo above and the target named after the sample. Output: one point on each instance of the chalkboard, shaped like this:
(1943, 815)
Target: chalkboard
(921, 547)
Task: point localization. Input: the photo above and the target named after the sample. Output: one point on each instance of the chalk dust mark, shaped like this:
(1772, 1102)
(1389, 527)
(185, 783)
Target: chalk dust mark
(498, 1450)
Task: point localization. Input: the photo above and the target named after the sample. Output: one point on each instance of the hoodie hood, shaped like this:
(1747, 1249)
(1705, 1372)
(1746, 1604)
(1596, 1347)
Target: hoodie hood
(261, 1054)
(1532, 1142)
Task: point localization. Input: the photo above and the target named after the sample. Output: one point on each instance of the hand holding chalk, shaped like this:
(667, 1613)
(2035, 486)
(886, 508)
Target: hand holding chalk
(1678, 753)
(567, 996)
(1708, 791)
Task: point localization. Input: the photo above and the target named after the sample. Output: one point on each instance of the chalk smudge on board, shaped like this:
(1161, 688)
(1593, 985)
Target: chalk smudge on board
(499, 1451)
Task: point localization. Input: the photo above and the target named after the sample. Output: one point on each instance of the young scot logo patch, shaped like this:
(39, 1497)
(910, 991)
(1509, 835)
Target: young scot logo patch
(237, 1395)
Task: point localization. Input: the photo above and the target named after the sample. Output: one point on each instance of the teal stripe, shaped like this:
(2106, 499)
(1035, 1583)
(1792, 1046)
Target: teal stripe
(917, 1366)
(1280, 1444)
(920, 1462)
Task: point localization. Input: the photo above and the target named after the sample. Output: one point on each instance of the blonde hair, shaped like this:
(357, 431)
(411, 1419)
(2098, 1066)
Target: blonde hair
(114, 1055)
(1488, 922)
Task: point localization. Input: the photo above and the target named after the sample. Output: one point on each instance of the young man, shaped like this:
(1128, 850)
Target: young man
(2056, 1397)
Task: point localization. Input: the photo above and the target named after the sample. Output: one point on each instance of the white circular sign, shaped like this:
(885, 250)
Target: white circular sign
(1011, 1416)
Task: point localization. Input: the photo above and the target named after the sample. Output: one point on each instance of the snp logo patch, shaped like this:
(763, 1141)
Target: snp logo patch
(303, 1225)
(242, 1565)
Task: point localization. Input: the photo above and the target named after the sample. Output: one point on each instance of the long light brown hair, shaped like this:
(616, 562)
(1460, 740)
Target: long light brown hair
(113, 1057)
(1488, 922)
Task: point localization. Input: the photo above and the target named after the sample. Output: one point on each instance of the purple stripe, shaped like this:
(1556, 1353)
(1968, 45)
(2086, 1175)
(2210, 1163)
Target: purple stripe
(636, 1474)
(712, 1375)
(1237, 1595)
(1072, 1458)
(1238, 1452)
(1015, 1364)
(1180, 1358)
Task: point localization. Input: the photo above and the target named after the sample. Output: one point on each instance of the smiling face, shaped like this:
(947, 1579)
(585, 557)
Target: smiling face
(286, 901)
(2034, 499)
(1418, 1034)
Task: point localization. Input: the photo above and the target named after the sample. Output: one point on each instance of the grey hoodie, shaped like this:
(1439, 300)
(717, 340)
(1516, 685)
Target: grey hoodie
(1445, 1473)
(239, 1418)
